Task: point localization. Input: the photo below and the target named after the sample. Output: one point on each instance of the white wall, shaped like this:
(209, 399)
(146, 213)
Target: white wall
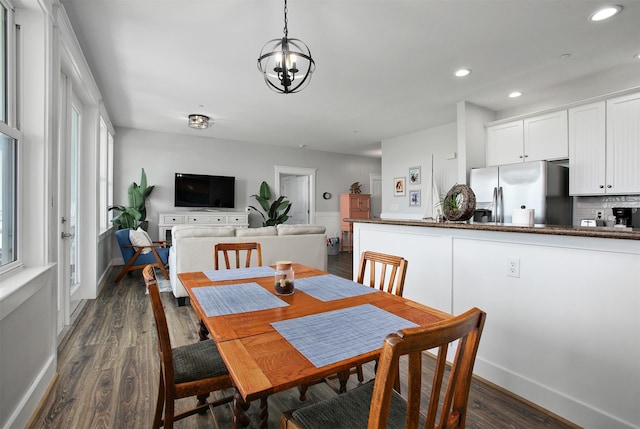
(472, 138)
(162, 155)
(415, 150)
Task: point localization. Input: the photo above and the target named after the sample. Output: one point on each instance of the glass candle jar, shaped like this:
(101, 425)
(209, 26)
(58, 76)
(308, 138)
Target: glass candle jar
(284, 278)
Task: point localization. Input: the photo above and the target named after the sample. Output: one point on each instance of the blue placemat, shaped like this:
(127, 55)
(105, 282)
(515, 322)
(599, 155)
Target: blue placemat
(326, 338)
(240, 273)
(238, 298)
(329, 287)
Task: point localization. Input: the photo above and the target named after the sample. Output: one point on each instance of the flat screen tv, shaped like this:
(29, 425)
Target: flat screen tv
(201, 190)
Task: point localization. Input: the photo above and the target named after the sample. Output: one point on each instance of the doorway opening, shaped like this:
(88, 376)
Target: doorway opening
(299, 185)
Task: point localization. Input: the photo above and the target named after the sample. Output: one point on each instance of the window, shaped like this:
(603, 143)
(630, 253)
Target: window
(9, 142)
(106, 176)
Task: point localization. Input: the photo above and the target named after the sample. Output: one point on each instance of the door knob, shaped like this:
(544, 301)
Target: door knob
(64, 235)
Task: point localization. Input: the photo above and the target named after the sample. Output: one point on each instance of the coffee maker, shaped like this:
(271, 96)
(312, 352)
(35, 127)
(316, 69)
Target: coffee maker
(627, 217)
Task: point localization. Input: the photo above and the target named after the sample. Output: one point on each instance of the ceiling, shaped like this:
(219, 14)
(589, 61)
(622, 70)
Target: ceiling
(384, 68)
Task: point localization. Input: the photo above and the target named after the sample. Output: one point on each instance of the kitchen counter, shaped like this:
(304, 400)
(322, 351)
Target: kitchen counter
(559, 300)
(593, 232)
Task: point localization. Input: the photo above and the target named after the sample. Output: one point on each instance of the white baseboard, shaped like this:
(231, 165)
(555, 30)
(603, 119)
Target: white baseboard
(30, 401)
(558, 403)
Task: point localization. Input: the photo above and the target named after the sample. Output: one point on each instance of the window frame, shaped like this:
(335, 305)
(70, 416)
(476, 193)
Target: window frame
(11, 128)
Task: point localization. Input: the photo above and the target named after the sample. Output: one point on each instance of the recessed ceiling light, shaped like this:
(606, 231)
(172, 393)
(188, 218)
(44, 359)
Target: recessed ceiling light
(462, 72)
(605, 12)
(515, 94)
(637, 56)
(565, 56)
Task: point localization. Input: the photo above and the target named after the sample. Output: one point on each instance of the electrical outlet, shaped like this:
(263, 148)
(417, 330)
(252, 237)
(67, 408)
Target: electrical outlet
(513, 268)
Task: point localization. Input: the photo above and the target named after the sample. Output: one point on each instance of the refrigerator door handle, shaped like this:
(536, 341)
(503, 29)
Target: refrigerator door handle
(500, 206)
(494, 206)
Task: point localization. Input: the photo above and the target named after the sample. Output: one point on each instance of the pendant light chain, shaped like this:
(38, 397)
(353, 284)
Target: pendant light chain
(286, 20)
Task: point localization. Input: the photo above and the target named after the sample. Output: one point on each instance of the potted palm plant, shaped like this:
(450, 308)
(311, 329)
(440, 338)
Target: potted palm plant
(275, 212)
(135, 214)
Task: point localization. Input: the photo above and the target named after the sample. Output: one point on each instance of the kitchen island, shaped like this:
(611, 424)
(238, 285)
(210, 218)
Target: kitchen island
(563, 325)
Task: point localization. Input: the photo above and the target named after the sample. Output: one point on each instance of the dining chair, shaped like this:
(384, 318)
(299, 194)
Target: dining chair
(381, 263)
(137, 257)
(377, 405)
(386, 273)
(237, 249)
(190, 370)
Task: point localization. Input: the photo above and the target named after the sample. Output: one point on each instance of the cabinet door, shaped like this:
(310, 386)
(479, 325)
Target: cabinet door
(623, 144)
(546, 137)
(587, 151)
(359, 206)
(505, 143)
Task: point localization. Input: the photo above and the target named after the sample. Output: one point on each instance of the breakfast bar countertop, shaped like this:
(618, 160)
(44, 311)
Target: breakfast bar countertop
(592, 232)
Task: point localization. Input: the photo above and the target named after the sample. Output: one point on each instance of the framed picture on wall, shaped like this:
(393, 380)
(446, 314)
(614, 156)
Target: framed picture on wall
(398, 187)
(414, 176)
(414, 198)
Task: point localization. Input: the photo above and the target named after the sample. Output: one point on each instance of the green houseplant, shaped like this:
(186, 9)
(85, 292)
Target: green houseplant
(135, 214)
(274, 212)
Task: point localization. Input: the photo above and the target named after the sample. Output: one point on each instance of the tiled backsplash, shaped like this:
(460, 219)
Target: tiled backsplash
(590, 207)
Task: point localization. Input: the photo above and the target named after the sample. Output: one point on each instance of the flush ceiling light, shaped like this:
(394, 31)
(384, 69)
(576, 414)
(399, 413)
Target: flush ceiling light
(199, 122)
(515, 94)
(462, 72)
(605, 12)
(286, 64)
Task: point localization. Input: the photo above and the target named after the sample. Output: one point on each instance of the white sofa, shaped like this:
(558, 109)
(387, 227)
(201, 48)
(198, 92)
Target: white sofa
(192, 247)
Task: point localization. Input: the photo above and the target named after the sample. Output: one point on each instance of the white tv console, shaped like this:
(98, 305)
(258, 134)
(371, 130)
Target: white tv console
(213, 218)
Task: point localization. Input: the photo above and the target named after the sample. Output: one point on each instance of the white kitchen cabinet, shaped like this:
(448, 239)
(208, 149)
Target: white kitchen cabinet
(623, 144)
(505, 143)
(604, 140)
(587, 149)
(546, 137)
(539, 138)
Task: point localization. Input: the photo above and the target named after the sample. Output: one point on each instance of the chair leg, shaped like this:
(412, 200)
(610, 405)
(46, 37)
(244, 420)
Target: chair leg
(303, 392)
(202, 399)
(128, 265)
(203, 332)
(169, 411)
(343, 377)
(157, 419)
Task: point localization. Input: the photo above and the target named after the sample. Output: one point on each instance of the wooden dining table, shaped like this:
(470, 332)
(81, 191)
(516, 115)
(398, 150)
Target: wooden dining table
(261, 361)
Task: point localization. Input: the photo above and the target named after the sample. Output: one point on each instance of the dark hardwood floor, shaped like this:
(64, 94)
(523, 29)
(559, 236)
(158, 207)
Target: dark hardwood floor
(108, 370)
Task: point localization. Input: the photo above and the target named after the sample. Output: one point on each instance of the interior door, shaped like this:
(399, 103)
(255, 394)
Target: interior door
(68, 185)
(296, 188)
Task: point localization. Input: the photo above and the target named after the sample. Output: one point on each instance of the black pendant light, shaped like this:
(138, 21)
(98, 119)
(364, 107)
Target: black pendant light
(286, 64)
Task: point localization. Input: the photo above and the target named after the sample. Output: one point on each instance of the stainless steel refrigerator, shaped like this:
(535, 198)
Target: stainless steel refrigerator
(538, 185)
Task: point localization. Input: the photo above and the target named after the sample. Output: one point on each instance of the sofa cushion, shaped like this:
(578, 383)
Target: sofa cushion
(257, 232)
(299, 229)
(140, 238)
(183, 231)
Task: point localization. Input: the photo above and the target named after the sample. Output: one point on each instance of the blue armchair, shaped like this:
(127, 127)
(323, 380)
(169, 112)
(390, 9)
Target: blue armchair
(134, 258)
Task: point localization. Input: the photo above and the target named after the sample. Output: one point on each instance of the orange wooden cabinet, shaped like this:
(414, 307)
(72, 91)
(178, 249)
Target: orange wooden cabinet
(356, 206)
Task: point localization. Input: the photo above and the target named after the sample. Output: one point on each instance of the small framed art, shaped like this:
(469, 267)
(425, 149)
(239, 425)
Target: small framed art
(414, 176)
(414, 198)
(398, 187)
